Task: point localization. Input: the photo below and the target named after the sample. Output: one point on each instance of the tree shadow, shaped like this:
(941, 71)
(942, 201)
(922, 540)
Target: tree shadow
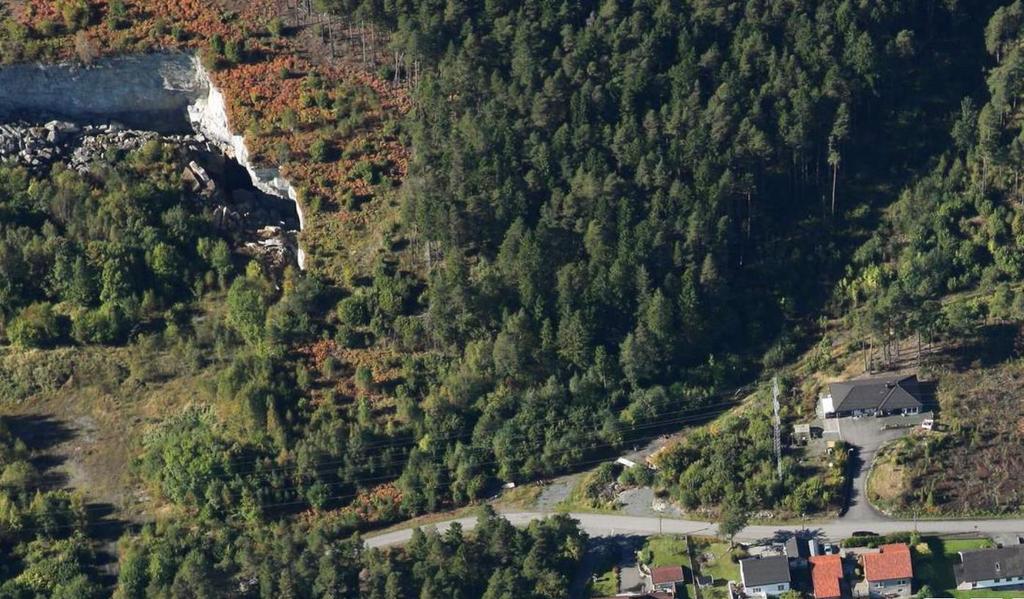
(992, 344)
(39, 432)
(106, 531)
(102, 526)
(49, 479)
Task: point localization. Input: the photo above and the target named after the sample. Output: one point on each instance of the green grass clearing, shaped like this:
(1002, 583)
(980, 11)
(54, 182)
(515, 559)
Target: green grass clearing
(522, 496)
(715, 559)
(665, 551)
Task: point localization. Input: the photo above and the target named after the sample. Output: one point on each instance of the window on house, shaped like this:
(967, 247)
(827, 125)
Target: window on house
(782, 587)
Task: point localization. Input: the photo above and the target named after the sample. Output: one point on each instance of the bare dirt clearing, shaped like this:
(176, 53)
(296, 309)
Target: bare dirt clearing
(86, 410)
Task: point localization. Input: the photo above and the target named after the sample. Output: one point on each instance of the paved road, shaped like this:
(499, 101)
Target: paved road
(602, 525)
(864, 433)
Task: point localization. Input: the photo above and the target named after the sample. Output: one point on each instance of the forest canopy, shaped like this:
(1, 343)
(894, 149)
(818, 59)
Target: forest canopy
(616, 215)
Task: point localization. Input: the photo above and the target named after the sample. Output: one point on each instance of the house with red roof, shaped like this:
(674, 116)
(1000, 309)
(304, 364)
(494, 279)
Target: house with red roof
(827, 576)
(665, 578)
(890, 572)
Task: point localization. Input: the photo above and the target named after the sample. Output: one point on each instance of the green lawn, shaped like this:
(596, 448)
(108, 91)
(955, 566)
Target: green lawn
(720, 566)
(934, 566)
(982, 594)
(667, 551)
(606, 585)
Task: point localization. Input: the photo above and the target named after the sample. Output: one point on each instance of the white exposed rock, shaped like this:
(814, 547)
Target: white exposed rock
(209, 117)
(151, 91)
(200, 173)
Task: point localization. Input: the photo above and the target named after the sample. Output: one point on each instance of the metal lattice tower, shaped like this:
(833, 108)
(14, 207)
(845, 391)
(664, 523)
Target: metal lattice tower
(778, 425)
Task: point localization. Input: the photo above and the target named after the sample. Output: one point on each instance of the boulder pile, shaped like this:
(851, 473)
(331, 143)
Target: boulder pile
(38, 147)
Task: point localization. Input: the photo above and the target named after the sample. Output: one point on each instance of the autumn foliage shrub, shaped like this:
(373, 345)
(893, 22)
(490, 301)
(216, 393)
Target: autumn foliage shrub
(76, 13)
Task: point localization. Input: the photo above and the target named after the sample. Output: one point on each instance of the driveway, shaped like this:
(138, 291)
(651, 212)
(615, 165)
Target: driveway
(867, 437)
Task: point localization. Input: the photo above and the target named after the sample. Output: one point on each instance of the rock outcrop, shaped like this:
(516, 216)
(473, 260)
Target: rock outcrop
(209, 116)
(37, 147)
(147, 91)
(163, 92)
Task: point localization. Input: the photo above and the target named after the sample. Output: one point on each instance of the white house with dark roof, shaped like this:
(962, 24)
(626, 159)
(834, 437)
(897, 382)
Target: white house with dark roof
(990, 568)
(872, 397)
(765, 576)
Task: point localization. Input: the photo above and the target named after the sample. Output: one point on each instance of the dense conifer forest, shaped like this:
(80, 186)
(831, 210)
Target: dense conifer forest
(612, 216)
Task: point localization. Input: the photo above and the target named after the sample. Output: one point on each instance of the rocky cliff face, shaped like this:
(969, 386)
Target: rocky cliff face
(166, 92)
(151, 91)
(208, 115)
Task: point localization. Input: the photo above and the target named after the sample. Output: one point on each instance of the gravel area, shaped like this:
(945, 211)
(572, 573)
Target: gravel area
(556, 492)
(641, 501)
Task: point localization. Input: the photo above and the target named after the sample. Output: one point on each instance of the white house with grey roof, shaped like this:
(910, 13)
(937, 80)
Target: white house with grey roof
(872, 397)
(990, 568)
(765, 576)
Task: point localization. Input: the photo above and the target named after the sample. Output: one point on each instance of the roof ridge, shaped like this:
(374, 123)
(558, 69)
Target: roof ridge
(891, 390)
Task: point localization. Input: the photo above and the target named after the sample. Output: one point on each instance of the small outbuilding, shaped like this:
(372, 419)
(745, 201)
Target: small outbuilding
(801, 433)
(799, 548)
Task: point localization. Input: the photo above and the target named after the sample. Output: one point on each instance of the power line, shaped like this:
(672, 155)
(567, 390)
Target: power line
(266, 506)
(777, 422)
(411, 442)
(654, 420)
(320, 468)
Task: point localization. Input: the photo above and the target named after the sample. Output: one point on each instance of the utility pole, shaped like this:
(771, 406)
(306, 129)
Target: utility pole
(778, 425)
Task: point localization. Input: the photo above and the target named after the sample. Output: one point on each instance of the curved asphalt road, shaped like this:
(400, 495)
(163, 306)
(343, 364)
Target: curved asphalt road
(866, 434)
(602, 525)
